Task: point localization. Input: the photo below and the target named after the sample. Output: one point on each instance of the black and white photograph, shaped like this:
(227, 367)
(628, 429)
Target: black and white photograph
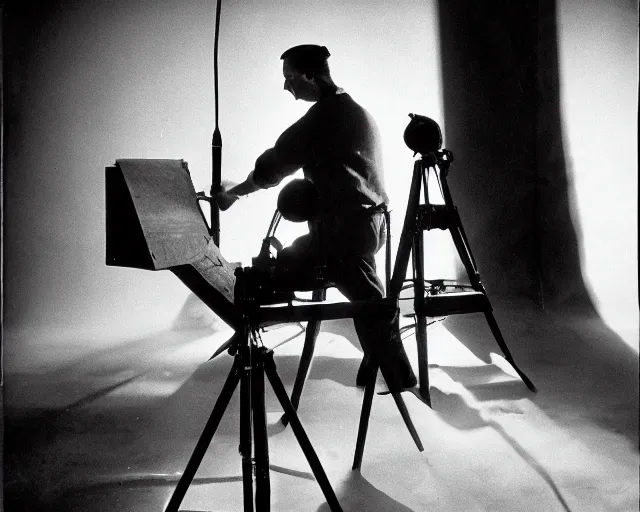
(323, 256)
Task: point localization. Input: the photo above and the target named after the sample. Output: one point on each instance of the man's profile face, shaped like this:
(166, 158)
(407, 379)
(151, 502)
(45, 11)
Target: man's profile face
(299, 85)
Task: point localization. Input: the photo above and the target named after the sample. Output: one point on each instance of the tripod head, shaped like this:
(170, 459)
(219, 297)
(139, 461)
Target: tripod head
(422, 135)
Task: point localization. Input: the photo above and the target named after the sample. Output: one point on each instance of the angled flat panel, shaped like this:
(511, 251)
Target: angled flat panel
(154, 223)
(166, 206)
(211, 278)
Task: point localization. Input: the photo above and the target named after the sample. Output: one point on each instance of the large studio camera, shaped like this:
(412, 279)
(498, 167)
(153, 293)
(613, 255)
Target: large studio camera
(297, 202)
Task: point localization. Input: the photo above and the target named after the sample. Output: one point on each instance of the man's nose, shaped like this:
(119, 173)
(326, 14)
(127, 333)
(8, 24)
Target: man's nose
(287, 87)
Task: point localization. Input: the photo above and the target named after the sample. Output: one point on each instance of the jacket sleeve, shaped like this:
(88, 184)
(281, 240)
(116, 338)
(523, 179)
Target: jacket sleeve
(292, 150)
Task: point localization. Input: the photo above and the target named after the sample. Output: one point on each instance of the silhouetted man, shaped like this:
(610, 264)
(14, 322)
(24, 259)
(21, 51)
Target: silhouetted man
(337, 145)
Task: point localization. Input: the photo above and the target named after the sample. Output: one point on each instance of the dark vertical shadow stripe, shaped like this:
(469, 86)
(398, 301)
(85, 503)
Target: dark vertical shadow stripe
(502, 122)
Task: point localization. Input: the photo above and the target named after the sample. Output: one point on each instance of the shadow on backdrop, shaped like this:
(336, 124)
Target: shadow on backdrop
(501, 91)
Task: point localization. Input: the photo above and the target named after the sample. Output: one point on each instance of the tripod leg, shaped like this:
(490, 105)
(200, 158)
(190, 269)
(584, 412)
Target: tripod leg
(313, 329)
(493, 325)
(365, 413)
(205, 439)
(421, 321)
(298, 430)
(465, 240)
(423, 361)
(311, 335)
(464, 251)
(404, 412)
(245, 430)
(406, 237)
(263, 486)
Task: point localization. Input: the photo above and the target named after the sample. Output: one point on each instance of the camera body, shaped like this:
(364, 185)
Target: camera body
(256, 287)
(422, 135)
(434, 216)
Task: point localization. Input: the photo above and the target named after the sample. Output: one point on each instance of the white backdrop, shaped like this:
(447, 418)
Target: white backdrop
(103, 80)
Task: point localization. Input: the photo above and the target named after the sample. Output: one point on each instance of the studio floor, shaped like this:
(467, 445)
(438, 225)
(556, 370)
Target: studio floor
(103, 428)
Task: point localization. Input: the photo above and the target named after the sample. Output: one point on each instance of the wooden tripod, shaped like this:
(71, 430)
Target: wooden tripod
(251, 364)
(433, 299)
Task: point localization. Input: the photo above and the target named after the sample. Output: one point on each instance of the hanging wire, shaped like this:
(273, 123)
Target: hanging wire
(275, 220)
(439, 182)
(215, 59)
(437, 284)
(413, 325)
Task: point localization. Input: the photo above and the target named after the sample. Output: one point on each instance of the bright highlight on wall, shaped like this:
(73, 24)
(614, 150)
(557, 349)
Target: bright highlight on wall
(598, 48)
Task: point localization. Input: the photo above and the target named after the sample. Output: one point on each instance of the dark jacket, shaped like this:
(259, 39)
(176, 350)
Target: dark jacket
(337, 145)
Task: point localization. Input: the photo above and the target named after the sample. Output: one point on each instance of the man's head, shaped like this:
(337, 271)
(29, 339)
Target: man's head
(306, 72)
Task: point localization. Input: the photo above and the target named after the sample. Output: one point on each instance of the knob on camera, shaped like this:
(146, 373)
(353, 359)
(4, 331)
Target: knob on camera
(422, 135)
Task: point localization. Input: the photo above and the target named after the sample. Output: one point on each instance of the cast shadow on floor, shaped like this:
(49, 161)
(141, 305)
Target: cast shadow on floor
(583, 370)
(356, 493)
(453, 409)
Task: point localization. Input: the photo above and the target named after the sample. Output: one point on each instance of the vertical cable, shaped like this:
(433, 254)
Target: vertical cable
(1, 179)
(216, 141)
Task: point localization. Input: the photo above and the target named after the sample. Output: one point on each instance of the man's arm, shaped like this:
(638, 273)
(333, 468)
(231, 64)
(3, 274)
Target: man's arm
(248, 186)
(291, 151)
(228, 196)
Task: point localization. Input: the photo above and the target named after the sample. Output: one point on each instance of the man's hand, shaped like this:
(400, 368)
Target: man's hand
(226, 197)
(231, 192)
